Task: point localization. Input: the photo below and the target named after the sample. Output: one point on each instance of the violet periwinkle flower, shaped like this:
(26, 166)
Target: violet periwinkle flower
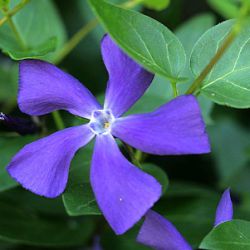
(123, 192)
(160, 234)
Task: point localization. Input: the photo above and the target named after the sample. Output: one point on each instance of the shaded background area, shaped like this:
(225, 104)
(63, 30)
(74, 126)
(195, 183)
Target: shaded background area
(195, 182)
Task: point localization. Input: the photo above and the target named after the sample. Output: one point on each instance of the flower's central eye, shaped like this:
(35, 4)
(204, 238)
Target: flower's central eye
(101, 121)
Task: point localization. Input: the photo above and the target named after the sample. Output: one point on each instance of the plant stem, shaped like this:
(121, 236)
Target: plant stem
(13, 11)
(132, 155)
(58, 120)
(226, 44)
(131, 4)
(174, 87)
(75, 40)
(84, 31)
(14, 29)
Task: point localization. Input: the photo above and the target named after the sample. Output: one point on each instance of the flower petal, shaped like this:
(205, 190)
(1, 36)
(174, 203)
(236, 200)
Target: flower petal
(174, 128)
(160, 234)
(124, 193)
(127, 79)
(44, 88)
(42, 166)
(224, 211)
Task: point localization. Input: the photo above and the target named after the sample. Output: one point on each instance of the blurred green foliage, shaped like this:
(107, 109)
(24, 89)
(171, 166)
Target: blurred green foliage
(195, 183)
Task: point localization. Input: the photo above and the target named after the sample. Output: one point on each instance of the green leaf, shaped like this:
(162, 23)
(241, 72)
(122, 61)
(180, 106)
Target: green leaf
(227, 8)
(4, 3)
(9, 147)
(232, 235)
(231, 156)
(78, 198)
(40, 29)
(25, 226)
(39, 51)
(227, 83)
(191, 208)
(189, 33)
(156, 4)
(147, 41)
(158, 174)
(8, 85)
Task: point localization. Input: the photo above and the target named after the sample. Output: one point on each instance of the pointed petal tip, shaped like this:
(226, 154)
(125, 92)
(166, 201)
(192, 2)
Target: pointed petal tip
(159, 233)
(124, 193)
(224, 211)
(42, 166)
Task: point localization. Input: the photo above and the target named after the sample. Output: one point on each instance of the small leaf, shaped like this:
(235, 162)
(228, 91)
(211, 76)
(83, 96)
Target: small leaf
(40, 50)
(228, 81)
(37, 29)
(158, 174)
(78, 198)
(156, 4)
(9, 147)
(147, 41)
(231, 235)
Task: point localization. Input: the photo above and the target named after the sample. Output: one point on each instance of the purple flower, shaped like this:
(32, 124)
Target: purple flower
(123, 192)
(224, 211)
(160, 234)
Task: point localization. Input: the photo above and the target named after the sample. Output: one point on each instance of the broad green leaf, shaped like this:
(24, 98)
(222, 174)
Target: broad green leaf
(25, 226)
(232, 235)
(39, 27)
(230, 142)
(227, 83)
(9, 147)
(156, 4)
(147, 41)
(189, 33)
(158, 174)
(226, 8)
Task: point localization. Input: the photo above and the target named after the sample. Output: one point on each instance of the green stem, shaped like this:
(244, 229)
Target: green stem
(174, 87)
(75, 40)
(13, 11)
(58, 120)
(226, 44)
(14, 29)
(132, 155)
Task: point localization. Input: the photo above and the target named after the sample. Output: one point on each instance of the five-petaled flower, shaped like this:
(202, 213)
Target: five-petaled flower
(123, 192)
(160, 234)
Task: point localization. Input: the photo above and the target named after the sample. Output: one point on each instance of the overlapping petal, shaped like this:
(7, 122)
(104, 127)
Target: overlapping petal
(44, 88)
(160, 234)
(224, 211)
(127, 80)
(42, 166)
(174, 128)
(124, 193)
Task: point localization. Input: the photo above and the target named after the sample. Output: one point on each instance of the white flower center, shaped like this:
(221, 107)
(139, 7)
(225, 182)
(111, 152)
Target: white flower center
(101, 121)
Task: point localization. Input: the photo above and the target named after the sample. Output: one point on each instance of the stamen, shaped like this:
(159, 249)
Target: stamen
(101, 121)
